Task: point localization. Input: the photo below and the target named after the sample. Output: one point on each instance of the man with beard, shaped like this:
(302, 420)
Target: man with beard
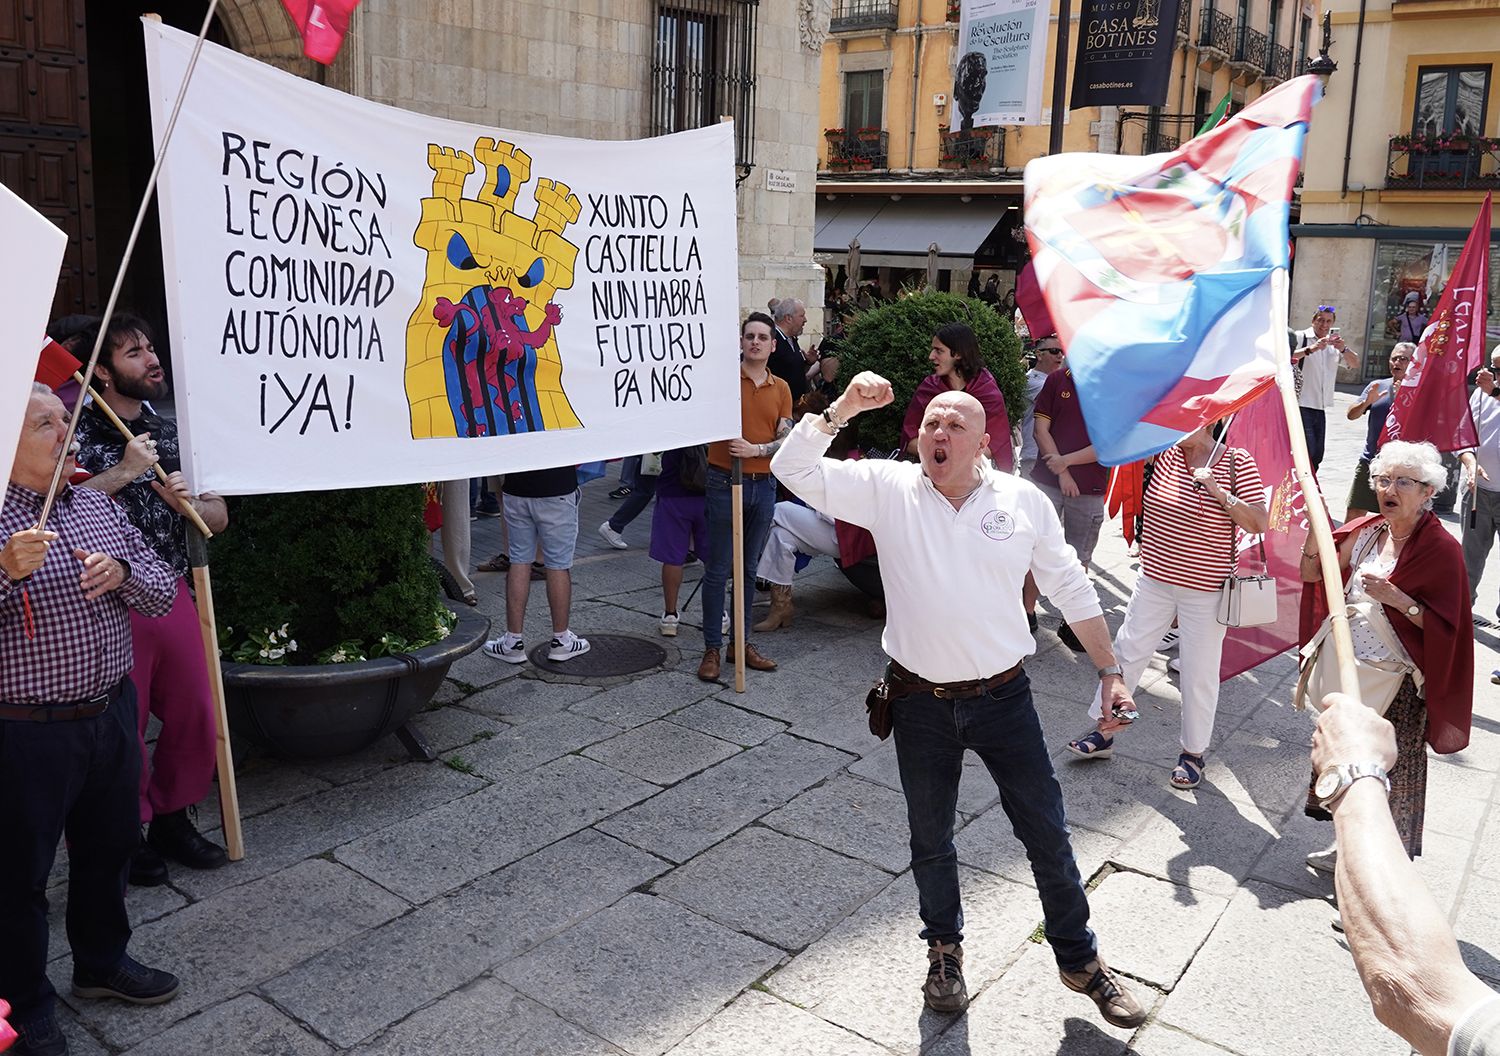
(956, 537)
(170, 673)
(69, 763)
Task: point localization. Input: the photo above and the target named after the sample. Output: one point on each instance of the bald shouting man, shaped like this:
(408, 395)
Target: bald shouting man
(956, 540)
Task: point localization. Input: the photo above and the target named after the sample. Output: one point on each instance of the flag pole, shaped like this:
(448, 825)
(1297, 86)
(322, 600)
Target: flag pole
(737, 516)
(1317, 511)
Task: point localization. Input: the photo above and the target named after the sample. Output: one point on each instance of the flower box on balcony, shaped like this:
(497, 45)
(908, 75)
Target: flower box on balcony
(862, 163)
(838, 164)
(834, 135)
(868, 135)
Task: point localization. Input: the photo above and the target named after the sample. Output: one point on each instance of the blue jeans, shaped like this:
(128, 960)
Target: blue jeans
(1315, 425)
(639, 498)
(759, 498)
(1002, 729)
(630, 470)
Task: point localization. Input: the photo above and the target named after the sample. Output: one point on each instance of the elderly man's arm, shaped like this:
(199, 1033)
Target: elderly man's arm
(1403, 948)
(151, 586)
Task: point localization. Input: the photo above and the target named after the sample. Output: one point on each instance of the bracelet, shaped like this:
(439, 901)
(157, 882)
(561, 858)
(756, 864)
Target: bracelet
(760, 450)
(1231, 500)
(1309, 557)
(834, 422)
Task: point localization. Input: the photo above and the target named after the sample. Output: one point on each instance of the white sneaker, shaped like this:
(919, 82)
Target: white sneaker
(612, 537)
(1324, 861)
(1168, 641)
(507, 647)
(668, 625)
(566, 646)
(724, 624)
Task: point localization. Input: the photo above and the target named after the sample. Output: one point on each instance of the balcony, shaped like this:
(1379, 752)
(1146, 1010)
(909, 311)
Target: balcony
(1450, 162)
(1154, 142)
(852, 16)
(857, 150)
(955, 10)
(1215, 37)
(978, 150)
(1248, 60)
(1281, 63)
(1184, 21)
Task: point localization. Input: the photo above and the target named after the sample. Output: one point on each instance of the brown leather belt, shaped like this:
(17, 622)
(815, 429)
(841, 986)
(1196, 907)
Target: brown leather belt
(81, 709)
(743, 474)
(904, 683)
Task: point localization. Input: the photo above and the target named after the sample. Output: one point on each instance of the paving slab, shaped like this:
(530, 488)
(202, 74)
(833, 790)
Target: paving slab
(524, 699)
(385, 754)
(759, 1023)
(866, 973)
(322, 822)
(442, 849)
(414, 960)
(1146, 929)
(854, 817)
(1114, 796)
(780, 889)
(843, 724)
(976, 788)
(643, 699)
(1253, 767)
(1449, 806)
(661, 752)
(531, 744)
(701, 811)
(1201, 841)
(224, 945)
(1267, 1013)
(727, 722)
(244, 1026)
(790, 696)
(486, 1019)
(1028, 1010)
(262, 785)
(448, 728)
(1476, 925)
(989, 843)
(1155, 1039)
(1284, 861)
(642, 974)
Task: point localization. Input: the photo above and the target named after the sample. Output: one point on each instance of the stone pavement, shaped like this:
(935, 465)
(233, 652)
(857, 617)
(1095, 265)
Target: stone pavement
(656, 865)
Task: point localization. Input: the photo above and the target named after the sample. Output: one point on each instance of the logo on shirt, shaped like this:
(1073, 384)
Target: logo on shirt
(998, 524)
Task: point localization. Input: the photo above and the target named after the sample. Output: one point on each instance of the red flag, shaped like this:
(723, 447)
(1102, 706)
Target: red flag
(322, 24)
(1124, 496)
(1432, 402)
(56, 366)
(1260, 428)
(1033, 306)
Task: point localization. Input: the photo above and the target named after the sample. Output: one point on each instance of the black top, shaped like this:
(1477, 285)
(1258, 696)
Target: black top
(101, 447)
(542, 483)
(786, 363)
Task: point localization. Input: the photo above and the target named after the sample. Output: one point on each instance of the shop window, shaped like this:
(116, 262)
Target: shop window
(1422, 268)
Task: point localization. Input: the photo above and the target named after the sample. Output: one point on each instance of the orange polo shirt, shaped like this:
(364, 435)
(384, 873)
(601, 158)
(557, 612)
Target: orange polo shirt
(761, 408)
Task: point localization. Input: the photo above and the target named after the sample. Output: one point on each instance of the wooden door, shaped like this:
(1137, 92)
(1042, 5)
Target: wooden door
(44, 132)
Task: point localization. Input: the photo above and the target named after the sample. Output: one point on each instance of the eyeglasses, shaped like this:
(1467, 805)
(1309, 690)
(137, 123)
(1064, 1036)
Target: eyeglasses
(1400, 359)
(1399, 483)
(1055, 350)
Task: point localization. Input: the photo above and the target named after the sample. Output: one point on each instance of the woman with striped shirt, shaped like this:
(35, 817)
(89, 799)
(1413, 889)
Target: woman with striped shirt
(1196, 503)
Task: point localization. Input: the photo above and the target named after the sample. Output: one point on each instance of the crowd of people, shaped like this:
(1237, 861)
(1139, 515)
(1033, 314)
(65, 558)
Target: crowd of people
(1019, 512)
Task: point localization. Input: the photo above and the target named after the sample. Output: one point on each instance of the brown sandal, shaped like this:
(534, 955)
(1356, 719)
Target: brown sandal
(498, 563)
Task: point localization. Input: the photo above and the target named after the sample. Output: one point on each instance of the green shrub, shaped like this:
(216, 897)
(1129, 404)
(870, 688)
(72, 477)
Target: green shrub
(341, 570)
(894, 340)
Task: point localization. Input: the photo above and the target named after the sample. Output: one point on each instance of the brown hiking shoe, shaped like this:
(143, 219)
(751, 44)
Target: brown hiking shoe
(1098, 981)
(944, 990)
(708, 667)
(753, 659)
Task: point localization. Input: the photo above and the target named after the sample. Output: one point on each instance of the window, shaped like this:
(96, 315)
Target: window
(1274, 34)
(864, 99)
(1203, 105)
(703, 68)
(1306, 35)
(1451, 99)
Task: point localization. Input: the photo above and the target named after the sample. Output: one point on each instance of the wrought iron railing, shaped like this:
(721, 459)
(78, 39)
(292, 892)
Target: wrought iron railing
(1185, 19)
(863, 14)
(1249, 48)
(1216, 31)
(977, 150)
(1443, 163)
(1158, 143)
(1281, 62)
(703, 67)
(857, 150)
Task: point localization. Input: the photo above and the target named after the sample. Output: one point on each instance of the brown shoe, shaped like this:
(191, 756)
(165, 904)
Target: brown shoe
(753, 658)
(781, 610)
(944, 990)
(1101, 983)
(708, 667)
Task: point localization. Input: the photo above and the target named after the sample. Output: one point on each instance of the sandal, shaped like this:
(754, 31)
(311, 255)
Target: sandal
(1188, 772)
(1094, 746)
(498, 563)
(470, 598)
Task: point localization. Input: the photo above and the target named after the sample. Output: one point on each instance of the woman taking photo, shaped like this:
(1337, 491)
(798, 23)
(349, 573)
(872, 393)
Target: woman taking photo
(1196, 504)
(1407, 597)
(958, 365)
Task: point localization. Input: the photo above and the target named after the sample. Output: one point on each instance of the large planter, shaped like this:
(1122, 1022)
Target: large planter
(318, 711)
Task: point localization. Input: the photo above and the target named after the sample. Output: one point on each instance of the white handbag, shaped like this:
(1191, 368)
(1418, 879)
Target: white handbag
(1246, 601)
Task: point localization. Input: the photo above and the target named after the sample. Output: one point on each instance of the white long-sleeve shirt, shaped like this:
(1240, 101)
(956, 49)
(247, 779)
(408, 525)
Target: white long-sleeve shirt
(952, 578)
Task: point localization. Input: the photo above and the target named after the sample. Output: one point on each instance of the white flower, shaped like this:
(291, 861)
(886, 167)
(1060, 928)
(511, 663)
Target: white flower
(264, 653)
(338, 657)
(282, 631)
(291, 646)
(277, 654)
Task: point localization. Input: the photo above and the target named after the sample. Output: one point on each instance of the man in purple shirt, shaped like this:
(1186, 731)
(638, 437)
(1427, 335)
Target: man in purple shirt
(69, 761)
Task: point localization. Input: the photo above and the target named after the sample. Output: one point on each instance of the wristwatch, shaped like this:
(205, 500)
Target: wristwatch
(1335, 780)
(1112, 669)
(1414, 609)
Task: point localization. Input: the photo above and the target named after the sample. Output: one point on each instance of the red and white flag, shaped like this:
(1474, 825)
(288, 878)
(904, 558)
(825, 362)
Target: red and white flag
(322, 24)
(1432, 402)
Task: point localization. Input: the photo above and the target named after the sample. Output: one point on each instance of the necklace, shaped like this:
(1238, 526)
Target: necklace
(1398, 538)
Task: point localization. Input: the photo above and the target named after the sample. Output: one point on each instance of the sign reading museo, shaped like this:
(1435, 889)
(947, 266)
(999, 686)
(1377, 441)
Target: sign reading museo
(363, 295)
(1124, 52)
(1001, 59)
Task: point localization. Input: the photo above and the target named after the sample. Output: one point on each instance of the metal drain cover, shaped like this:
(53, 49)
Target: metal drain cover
(609, 656)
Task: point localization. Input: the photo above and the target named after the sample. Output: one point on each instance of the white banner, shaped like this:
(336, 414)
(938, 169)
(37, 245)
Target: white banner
(1002, 57)
(363, 295)
(29, 267)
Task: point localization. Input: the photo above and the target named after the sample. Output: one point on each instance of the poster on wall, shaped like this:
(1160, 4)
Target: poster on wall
(363, 295)
(1002, 56)
(1124, 52)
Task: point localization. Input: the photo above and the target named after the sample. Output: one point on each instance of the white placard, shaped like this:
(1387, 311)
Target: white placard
(1007, 39)
(781, 180)
(346, 284)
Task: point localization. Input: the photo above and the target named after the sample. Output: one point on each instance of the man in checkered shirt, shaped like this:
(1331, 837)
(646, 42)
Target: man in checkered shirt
(69, 759)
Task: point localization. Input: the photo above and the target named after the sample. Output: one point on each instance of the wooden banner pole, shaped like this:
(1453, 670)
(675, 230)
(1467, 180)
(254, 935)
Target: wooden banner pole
(737, 515)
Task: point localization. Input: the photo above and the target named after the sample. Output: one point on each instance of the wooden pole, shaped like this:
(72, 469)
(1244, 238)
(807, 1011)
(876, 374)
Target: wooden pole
(229, 795)
(1317, 511)
(737, 515)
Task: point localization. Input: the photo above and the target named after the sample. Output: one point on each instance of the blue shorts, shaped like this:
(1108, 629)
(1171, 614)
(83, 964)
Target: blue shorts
(552, 522)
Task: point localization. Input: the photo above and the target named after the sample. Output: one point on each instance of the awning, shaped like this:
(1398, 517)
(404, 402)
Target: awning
(907, 228)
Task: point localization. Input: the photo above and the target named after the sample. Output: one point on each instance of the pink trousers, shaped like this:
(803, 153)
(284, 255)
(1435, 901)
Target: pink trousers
(171, 682)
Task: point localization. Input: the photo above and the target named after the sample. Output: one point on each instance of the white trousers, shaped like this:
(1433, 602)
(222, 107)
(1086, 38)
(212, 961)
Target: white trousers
(455, 531)
(1200, 647)
(794, 527)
